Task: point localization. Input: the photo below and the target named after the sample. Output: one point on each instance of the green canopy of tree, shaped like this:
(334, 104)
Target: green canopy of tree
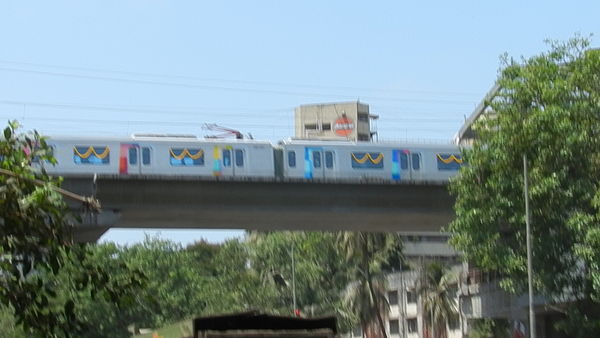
(320, 272)
(35, 242)
(368, 255)
(437, 289)
(548, 108)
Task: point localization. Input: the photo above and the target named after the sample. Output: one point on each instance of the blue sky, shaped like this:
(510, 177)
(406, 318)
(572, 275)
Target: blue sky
(118, 67)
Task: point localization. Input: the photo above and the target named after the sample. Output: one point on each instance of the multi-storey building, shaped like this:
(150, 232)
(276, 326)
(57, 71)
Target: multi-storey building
(335, 121)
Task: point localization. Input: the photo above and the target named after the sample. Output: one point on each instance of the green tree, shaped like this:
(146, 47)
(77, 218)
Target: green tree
(236, 287)
(366, 253)
(320, 273)
(548, 109)
(8, 325)
(489, 328)
(437, 289)
(36, 242)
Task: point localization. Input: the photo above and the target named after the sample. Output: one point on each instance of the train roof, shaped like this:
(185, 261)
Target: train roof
(385, 144)
(161, 138)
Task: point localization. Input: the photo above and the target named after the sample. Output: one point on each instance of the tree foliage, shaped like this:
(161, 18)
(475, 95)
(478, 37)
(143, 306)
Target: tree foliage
(548, 109)
(367, 255)
(33, 231)
(437, 291)
(320, 272)
(36, 246)
(489, 328)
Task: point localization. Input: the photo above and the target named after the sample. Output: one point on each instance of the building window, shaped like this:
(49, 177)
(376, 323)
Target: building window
(292, 159)
(145, 155)
(363, 117)
(185, 157)
(310, 126)
(453, 323)
(416, 161)
(411, 325)
(449, 161)
(394, 326)
(239, 158)
(328, 159)
(94, 155)
(393, 297)
(326, 126)
(411, 297)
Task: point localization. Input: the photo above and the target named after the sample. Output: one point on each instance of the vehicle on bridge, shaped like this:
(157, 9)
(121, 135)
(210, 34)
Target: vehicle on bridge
(185, 155)
(368, 161)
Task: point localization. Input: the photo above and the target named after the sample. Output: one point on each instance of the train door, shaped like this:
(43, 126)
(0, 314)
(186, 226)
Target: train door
(319, 162)
(134, 159)
(233, 161)
(313, 166)
(406, 165)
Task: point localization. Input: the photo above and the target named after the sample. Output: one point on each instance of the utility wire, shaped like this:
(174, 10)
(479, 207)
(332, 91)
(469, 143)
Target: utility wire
(201, 111)
(226, 88)
(265, 83)
(169, 123)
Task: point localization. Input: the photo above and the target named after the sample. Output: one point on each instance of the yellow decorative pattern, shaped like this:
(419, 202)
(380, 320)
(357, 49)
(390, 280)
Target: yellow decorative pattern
(91, 150)
(449, 159)
(368, 156)
(185, 152)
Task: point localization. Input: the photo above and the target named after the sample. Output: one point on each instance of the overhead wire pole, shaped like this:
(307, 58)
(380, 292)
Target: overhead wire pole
(529, 253)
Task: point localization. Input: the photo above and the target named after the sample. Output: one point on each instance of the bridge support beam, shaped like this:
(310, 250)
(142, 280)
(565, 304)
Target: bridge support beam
(175, 202)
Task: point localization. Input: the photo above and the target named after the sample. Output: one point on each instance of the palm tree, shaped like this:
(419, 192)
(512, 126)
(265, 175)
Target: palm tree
(365, 254)
(437, 299)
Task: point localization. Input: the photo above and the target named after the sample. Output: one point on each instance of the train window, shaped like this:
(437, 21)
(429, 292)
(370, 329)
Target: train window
(94, 155)
(292, 159)
(186, 157)
(316, 159)
(449, 161)
(370, 160)
(36, 159)
(328, 159)
(239, 158)
(226, 158)
(416, 161)
(145, 155)
(133, 156)
(403, 161)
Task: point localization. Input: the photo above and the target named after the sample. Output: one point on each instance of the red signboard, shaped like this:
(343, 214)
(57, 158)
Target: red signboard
(343, 126)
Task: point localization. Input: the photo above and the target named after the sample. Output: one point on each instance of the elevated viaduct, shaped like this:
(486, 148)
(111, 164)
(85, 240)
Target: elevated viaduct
(185, 203)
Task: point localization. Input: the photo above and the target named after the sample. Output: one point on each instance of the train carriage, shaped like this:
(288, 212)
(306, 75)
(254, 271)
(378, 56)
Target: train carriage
(366, 161)
(162, 155)
(180, 155)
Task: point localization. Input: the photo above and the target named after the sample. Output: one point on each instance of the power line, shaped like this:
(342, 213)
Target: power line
(268, 83)
(132, 109)
(225, 88)
(131, 123)
(166, 110)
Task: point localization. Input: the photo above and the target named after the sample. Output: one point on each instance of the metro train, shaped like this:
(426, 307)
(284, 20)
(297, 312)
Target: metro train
(179, 155)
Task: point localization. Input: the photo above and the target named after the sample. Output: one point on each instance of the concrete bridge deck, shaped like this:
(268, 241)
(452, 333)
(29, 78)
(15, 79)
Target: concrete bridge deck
(178, 202)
